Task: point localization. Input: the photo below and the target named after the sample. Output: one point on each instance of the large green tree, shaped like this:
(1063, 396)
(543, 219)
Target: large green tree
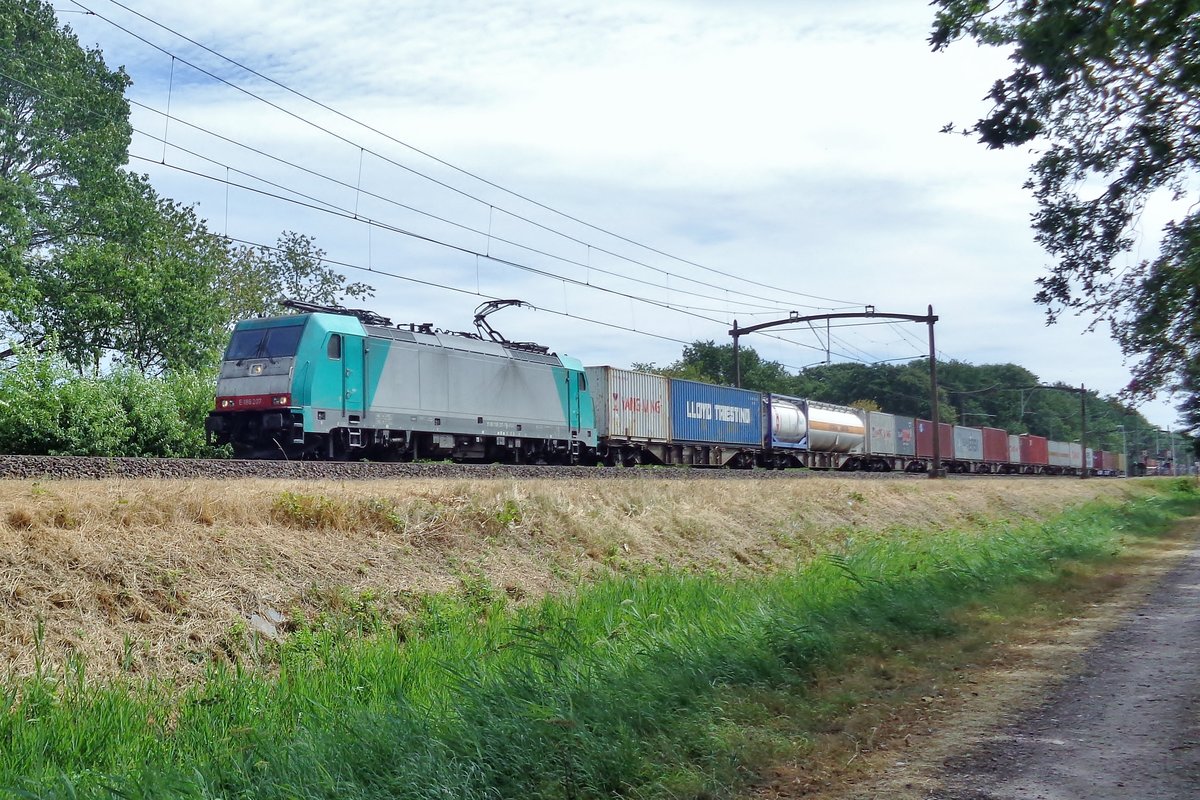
(91, 257)
(145, 300)
(1108, 91)
(64, 130)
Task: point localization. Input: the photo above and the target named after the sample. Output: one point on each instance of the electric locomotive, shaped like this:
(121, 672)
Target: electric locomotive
(335, 383)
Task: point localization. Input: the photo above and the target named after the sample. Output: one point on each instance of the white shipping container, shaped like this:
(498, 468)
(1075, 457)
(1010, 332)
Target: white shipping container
(1076, 455)
(881, 433)
(630, 405)
(1060, 454)
(968, 444)
(1014, 449)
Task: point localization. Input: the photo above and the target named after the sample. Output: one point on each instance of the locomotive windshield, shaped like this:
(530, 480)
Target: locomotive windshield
(274, 342)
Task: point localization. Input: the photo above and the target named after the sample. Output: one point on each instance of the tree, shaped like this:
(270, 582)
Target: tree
(64, 132)
(295, 268)
(146, 299)
(1110, 90)
(710, 362)
(90, 254)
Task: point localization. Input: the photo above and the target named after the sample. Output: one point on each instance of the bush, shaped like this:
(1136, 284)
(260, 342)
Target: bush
(47, 408)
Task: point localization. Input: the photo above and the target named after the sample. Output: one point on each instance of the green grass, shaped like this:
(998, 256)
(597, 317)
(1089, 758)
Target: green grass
(621, 690)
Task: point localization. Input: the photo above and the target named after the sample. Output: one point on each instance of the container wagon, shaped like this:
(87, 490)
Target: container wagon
(714, 425)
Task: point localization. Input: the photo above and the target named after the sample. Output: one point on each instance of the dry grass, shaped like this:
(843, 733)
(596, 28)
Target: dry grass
(158, 577)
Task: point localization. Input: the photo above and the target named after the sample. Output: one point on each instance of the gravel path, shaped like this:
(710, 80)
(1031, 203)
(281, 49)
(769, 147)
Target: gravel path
(1127, 726)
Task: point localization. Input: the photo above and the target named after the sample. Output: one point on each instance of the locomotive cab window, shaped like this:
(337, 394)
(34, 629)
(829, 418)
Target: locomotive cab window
(278, 341)
(335, 346)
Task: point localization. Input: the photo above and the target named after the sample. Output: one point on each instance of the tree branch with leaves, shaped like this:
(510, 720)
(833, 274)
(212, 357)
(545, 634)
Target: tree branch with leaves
(1109, 91)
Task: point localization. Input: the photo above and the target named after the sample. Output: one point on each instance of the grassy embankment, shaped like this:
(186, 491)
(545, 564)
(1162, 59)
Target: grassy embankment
(645, 683)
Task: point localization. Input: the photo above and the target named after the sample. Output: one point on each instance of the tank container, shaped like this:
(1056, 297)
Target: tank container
(786, 422)
(835, 429)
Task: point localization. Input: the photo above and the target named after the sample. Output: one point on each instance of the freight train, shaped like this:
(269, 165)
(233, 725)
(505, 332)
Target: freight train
(337, 384)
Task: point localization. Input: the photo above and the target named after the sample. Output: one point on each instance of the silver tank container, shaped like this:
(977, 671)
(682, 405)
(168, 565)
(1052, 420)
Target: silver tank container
(835, 429)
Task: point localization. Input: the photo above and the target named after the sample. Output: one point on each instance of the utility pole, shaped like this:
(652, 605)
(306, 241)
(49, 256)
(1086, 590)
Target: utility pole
(1083, 432)
(737, 358)
(936, 472)
(1174, 466)
(1125, 450)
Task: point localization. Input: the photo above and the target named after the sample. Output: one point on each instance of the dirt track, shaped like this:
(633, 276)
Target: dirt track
(1126, 726)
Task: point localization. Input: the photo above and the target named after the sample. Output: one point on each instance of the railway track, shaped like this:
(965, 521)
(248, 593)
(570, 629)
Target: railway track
(83, 468)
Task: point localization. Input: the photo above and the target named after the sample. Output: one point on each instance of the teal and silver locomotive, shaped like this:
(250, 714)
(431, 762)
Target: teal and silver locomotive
(334, 383)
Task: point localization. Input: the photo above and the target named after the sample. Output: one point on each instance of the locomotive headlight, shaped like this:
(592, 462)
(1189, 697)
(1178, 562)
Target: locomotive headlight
(281, 400)
(226, 403)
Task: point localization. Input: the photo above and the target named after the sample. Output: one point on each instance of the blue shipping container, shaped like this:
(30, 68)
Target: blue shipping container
(701, 412)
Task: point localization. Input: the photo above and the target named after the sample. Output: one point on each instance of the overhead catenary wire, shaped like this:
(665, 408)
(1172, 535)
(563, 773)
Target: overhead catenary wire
(359, 191)
(485, 296)
(325, 208)
(744, 309)
(322, 205)
(456, 289)
(462, 192)
(330, 208)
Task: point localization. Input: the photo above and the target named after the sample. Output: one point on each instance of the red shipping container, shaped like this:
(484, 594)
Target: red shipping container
(1034, 449)
(995, 445)
(1109, 461)
(1097, 459)
(924, 431)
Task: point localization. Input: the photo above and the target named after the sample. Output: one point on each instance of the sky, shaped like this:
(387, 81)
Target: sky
(719, 160)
